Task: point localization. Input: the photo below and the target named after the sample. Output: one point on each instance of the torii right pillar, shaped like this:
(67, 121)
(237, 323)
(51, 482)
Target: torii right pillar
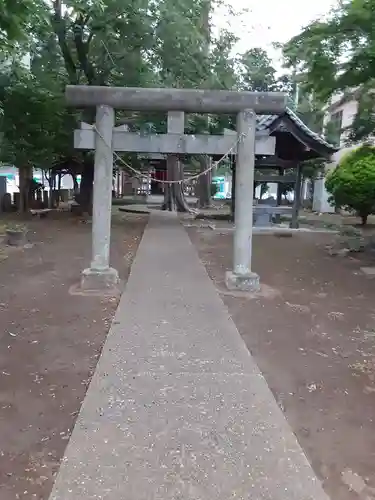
(242, 278)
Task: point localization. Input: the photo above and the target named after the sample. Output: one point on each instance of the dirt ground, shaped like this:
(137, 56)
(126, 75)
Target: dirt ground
(337, 219)
(312, 333)
(49, 345)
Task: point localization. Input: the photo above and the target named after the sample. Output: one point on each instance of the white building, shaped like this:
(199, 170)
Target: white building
(12, 179)
(339, 115)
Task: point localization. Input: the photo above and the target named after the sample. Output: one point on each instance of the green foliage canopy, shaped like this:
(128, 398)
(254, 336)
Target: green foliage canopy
(337, 55)
(16, 18)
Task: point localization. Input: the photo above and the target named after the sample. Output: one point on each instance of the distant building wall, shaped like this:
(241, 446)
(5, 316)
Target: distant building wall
(347, 111)
(11, 174)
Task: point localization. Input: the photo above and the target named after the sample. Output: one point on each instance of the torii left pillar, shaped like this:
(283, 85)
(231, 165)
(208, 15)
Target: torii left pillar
(242, 278)
(100, 276)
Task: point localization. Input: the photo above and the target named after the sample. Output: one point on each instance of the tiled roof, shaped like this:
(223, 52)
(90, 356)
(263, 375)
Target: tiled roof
(265, 121)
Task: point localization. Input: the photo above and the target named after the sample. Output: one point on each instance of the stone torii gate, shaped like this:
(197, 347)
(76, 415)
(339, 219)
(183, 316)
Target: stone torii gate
(106, 139)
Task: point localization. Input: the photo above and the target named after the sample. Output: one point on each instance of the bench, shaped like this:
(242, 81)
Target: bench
(40, 213)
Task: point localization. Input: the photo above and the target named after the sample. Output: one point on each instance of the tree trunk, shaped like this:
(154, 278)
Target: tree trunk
(233, 201)
(174, 196)
(22, 188)
(75, 184)
(364, 218)
(294, 224)
(84, 197)
(178, 192)
(58, 194)
(279, 197)
(168, 192)
(118, 183)
(25, 177)
(51, 184)
(86, 190)
(204, 183)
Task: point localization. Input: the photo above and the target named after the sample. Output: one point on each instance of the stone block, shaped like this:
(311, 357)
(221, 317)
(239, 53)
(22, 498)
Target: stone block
(16, 238)
(6, 203)
(242, 282)
(93, 280)
(262, 220)
(368, 271)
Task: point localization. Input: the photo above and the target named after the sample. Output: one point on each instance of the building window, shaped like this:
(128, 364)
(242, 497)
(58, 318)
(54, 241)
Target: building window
(334, 128)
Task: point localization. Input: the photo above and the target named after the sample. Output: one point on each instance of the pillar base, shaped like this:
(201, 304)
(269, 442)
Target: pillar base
(99, 279)
(242, 282)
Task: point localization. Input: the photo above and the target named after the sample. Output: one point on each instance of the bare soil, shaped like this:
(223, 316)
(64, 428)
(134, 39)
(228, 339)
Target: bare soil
(312, 333)
(49, 344)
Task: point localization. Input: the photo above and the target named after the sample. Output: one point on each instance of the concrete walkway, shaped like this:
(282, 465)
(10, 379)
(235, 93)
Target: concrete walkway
(177, 408)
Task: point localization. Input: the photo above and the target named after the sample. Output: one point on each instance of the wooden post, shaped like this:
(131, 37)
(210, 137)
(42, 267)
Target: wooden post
(123, 182)
(233, 204)
(279, 196)
(294, 224)
(118, 183)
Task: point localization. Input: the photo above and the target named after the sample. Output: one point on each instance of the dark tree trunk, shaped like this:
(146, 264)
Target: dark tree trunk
(204, 183)
(118, 184)
(25, 178)
(174, 195)
(294, 224)
(86, 189)
(58, 194)
(279, 196)
(178, 191)
(51, 184)
(364, 218)
(168, 188)
(233, 204)
(75, 184)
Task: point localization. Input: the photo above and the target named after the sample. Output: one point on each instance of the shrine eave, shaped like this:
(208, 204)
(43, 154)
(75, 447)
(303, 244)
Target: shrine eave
(289, 122)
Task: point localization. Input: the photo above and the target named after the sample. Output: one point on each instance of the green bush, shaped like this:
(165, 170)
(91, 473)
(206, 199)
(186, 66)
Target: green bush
(351, 184)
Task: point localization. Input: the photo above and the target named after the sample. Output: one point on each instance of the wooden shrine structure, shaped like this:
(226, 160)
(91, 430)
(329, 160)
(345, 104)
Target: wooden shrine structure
(295, 143)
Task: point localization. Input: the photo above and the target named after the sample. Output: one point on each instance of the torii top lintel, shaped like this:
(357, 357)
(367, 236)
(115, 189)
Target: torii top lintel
(163, 99)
